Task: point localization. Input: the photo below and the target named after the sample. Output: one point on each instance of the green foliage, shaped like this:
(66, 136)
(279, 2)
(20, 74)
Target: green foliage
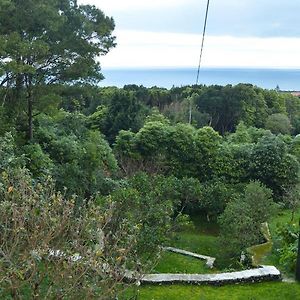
(123, 112)
(184, 193)
(207, 142)
(216, 195)
(156, 116)
(259, 198)
(152, 139)
(272, 165)
(145, 214)
(8, 156)
(278, 123)
(295, 147)
(180, 154)
(292, 105)
(83, 160)
(38, 162)
(124, 145)
(45, 42)
(51, 249)
(43, 30)
(287, 242)
(241, 135)
(291, 199)
(241, 221)
(233, 162)
(228, 105)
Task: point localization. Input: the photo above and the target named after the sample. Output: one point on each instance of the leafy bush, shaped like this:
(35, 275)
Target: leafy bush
(241, 221)
(273, 165)
(49, 248)
(287, 245)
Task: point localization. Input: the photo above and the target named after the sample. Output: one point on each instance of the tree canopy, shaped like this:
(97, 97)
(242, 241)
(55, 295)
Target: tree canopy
(44, 42)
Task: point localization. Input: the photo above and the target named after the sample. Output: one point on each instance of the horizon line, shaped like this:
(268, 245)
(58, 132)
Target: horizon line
(203, 68)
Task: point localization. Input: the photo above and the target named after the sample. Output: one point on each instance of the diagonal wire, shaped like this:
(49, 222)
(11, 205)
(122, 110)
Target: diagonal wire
(202, 44)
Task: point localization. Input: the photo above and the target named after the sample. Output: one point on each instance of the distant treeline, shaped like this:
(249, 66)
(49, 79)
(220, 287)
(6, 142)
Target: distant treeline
(111, 109)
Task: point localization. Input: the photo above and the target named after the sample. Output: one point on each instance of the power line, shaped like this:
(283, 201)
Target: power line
(202, 44)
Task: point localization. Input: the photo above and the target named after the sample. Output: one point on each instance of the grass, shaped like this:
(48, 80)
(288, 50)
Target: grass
(203, 240)
(200, 238)
(283, 217)
(258, 291)
(195, 242)
(176, 263)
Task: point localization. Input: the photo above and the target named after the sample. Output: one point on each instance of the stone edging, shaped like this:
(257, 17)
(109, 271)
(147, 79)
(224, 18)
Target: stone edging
(265, 273)
(262, 273)
(209, 260)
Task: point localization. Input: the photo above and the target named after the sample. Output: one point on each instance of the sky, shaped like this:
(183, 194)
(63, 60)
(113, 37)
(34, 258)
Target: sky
(167, 33)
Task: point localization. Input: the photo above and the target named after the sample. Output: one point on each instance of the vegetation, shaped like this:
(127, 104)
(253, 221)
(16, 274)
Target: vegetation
(268, 291)
(93, 181)
(254, 207)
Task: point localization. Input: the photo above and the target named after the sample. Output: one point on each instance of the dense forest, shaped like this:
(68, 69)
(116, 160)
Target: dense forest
(93, 181)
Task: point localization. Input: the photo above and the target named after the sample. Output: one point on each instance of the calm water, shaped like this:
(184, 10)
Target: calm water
(287, 79)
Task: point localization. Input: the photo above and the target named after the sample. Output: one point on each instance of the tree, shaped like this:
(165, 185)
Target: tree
(9, 159)
(84, 162)
(44, 42)
(180, 155)
(216, 195)
(278, 123)
(272, 165)
(207, 143)
(123, 112)
(241, 221)
(51, 249)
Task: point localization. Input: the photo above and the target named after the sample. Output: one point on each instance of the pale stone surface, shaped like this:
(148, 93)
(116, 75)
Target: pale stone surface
(209, 260)
(254, 275)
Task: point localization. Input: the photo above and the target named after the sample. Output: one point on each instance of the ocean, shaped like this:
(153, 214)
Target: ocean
(286, 79)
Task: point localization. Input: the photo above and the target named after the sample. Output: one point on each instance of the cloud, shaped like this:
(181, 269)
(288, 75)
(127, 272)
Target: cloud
(129, 5)
(262, 18)
(152, 49)
(255, 33)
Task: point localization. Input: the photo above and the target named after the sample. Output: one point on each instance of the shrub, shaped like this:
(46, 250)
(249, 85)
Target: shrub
(51, 249)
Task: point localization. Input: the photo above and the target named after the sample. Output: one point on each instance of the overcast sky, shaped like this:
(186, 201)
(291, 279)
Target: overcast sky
(167, 33)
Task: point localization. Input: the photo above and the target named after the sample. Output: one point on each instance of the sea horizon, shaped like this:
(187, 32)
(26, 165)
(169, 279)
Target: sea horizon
(286, 78)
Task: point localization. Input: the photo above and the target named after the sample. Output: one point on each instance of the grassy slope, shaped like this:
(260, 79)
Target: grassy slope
(259, 291)
(283, 217)
(176, 263)
(192, 239)
(203, 240)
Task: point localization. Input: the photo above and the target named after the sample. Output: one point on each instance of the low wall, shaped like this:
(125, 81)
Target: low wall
(209, 260)
(265, 273)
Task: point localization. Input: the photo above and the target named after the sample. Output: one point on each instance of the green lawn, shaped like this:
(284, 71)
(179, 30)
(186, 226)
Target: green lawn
(258, 291)
(177, 263)
(196, 242)
(202, 239)
(283, 217)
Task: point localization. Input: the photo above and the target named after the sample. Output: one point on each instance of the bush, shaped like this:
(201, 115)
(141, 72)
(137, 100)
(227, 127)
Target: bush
(49, 249)
(240, 223)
